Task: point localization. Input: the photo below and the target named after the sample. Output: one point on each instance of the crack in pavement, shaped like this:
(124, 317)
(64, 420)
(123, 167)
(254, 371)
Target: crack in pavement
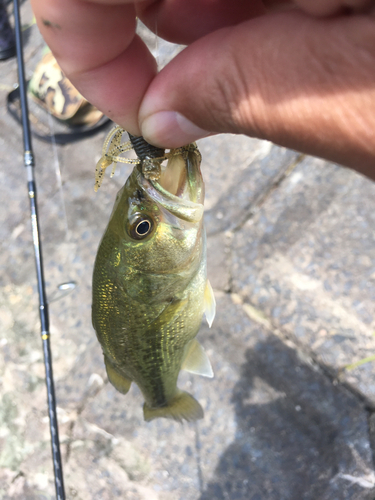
(90, 394)
(263, 196)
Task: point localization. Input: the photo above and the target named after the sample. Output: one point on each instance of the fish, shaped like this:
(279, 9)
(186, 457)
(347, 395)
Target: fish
(150, 288)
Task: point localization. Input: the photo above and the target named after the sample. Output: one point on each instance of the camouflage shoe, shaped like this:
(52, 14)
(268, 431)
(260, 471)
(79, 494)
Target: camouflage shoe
(50, 88)
(53, 95)
(7, 41)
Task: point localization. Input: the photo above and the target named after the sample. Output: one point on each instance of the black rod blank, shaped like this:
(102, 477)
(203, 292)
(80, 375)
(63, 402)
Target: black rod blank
(43, 304)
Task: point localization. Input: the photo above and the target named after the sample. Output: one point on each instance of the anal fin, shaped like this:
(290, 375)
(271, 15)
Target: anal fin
(209, 304)
(196, 360)
(119, 382)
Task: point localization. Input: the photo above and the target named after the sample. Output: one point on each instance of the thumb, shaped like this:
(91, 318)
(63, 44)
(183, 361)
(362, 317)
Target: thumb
(301, 82)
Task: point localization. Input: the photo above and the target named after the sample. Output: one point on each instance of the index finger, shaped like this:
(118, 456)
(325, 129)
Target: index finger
(97, 48)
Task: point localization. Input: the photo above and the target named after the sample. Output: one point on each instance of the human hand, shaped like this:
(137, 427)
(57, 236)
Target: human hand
(299, 73)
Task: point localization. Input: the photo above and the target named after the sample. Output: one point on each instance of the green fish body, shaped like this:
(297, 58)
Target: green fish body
(150, 288)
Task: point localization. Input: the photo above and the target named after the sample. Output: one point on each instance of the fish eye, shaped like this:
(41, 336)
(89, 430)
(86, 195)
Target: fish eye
(141, 227)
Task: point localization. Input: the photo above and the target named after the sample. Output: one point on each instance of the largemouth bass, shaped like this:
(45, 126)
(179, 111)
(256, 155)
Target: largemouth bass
(150, 288)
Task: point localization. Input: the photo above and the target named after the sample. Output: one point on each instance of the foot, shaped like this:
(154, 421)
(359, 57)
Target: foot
(7, 42)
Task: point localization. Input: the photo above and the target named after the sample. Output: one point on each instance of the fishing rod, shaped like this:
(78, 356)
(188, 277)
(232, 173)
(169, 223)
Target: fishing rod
(43, 304)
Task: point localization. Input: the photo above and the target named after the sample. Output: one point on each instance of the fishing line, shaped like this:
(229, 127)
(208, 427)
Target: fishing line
(43, 305)
(157, 48)
(58, 173)
(65, 288)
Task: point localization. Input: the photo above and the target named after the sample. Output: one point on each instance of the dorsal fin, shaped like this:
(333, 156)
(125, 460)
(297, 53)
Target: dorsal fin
(196, 360)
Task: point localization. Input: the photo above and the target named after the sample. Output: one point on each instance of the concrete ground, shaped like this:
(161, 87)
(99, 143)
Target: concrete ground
(291, 257)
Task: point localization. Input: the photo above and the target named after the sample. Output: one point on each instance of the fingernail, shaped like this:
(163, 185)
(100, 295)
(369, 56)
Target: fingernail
(171, 130)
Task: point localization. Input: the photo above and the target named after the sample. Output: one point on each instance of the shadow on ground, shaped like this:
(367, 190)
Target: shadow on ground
(291, 443)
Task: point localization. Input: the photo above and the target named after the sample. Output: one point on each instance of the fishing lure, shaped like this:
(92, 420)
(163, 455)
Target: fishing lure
(149, 156)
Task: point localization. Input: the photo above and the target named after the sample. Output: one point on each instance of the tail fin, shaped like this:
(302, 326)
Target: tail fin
(182, 407)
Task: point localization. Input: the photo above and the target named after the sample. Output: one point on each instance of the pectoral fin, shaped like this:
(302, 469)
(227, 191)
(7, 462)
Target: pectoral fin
(119, 382)
(209, 304)
(196, 360)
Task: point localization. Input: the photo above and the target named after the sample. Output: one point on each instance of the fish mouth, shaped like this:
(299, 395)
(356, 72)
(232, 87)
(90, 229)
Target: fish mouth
(179, 188)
